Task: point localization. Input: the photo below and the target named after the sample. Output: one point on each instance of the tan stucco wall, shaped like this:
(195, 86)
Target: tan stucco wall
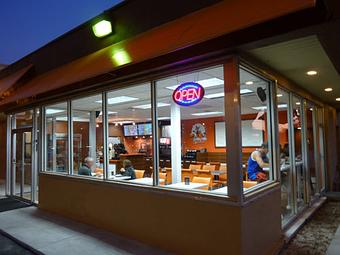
(183, 224)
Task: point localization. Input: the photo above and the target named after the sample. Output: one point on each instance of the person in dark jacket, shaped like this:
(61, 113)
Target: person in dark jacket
(85, 169)
(128, 169)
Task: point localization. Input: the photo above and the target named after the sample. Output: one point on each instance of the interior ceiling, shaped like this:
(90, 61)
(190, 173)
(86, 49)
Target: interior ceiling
(295, 57)
(128, 111)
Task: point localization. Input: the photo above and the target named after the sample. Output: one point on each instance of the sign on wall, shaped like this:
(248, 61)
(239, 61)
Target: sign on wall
(188, 93)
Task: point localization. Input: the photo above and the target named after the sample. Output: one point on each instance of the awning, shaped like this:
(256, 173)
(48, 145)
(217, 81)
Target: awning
(208, 23)
(7, 82)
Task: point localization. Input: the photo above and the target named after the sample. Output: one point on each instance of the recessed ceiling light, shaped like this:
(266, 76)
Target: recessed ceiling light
(328, 89)
(249, 82)
(337, 99)
(118, 100)
(262, 108)
(148, 106)
(297, 103)
(279, 95)
(245, 91)
(53, 111)
(312, 72)
(212, 82)
(215, 95)
(206, 113)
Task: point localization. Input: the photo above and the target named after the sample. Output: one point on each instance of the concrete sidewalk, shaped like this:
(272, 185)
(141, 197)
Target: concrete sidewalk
(50, 234)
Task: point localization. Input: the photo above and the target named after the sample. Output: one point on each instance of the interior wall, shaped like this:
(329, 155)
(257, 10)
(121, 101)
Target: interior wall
(177, 223)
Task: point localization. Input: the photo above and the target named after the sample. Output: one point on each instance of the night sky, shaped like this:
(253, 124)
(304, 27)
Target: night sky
(26, 25)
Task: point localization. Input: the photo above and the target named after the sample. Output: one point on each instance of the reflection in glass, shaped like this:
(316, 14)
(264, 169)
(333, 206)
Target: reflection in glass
(285, 163)
(56, 138)
(298, 157)
(87, 136)
(192, 144)
(255, 120)
(130, 134)
(310, 131)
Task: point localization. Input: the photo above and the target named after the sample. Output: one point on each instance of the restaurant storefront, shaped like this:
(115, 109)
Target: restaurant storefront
(189, 130)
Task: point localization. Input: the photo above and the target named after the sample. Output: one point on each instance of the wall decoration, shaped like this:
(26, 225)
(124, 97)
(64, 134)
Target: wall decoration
(198, 133)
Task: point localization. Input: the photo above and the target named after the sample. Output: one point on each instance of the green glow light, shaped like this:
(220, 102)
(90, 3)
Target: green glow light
(102, 28)
(121, 57)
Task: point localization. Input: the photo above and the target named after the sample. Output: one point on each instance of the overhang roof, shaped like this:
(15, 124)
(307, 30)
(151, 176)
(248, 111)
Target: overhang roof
(191, 29)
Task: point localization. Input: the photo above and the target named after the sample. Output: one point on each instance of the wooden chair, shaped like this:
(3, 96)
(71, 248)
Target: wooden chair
(204, 180)
(209, 167)
(195, 166)
(223, 167)
(217, 164)
(249, 184)
(139, 174)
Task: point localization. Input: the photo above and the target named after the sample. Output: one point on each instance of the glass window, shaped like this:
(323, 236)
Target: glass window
(130, 134)
(56, 147)
(192, 140)
(321, 148)
(23, 119)
(311, 147)
(88, 136)
(256, 128)
(286, 170)
(298, 152)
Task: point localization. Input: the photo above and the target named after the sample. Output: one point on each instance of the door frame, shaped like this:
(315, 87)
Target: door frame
(12, 173)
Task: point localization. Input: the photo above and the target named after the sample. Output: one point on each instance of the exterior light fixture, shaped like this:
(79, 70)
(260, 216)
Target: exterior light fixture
(312, 73)
(121, 57)
(102, 28)
(249, 82)
(328, 89)
(279, 95)
(338, 99)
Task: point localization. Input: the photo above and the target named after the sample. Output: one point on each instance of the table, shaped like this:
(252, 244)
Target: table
(119, 177)
(182, 185)
(145, 180)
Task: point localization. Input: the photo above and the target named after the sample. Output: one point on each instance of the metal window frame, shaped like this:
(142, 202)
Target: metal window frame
(8, 185)
(105, 136)
(70, 137)
(305, 150)
(155, 133)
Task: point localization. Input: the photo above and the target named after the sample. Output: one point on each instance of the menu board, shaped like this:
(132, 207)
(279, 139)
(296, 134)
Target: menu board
(145, 129)
(130, 130)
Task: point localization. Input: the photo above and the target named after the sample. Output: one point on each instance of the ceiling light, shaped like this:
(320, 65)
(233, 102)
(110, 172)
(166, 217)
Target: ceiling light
(312, 73)
(206, 113)
(337, 99)
(53, 111)
(163, 118)
(245, 91)
(118, 100)
(311, 109)
(262, 108)
(212, 82)
(297, 103)
(102, 28)
(249, 82)
(215, 95)
(121, 57)
(279, 95)
(328, 89)
(148, 106)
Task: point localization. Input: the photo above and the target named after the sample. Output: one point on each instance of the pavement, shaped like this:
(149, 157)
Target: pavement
(50, 234)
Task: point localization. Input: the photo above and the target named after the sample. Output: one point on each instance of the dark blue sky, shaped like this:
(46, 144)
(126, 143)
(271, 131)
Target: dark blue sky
(26, 25)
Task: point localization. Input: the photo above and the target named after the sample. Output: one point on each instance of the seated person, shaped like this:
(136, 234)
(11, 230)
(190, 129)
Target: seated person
(127, 169)
(87, 166)
(256, 162)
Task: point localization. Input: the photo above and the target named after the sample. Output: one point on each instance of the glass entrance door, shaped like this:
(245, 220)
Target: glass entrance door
(22, 163)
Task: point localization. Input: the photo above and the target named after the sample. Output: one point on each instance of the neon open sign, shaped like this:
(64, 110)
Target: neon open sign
(188, 93)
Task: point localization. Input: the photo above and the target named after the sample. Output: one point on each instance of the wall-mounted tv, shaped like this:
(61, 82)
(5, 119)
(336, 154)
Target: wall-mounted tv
(145, 129)
(130, 130)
